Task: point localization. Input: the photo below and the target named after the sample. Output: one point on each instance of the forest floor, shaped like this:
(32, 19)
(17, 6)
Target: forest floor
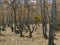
(10, 38)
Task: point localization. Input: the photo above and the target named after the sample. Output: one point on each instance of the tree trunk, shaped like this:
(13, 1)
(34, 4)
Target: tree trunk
(3, 18)
(21, 35)
(51, 35)
(0, 30)
(30, 35)
(43, 14)
(30, 32)
(21, 30)
(52, 23)
(44, 31)
(14, 9)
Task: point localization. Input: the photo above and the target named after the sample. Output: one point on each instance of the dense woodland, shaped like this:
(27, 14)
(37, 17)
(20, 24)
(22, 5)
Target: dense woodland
(27, 16)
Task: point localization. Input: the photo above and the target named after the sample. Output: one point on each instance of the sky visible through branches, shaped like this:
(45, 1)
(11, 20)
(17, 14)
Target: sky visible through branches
(22, 1)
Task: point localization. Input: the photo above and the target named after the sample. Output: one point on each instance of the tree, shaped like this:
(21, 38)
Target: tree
(8, 16)
(44, 21)
(52, 23)
(0, 22)
(28, 19)
(13, 3)
(3, 17)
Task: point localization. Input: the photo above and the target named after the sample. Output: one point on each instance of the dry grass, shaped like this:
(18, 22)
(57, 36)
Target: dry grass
(10, 38)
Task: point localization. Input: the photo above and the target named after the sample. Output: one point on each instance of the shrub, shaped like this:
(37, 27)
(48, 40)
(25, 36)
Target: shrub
(57, 27)
(37, 18)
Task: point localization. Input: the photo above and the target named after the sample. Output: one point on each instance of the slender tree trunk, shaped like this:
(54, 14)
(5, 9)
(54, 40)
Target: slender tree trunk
(3, 18)
(0, 25)
(0, 30)
(21, 29)
(44, 24)
(30, 35)
(14, 9)
(30, 32)
(14, 20)
(45, 31)
(8, 16)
